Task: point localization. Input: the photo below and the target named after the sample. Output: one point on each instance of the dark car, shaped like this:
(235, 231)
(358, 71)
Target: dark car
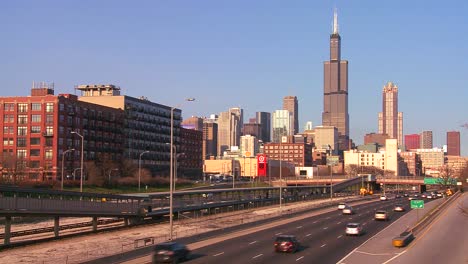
(170, 252)
(286, 243)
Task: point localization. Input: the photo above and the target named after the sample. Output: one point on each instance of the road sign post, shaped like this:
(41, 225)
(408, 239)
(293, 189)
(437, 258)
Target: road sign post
(417, 204)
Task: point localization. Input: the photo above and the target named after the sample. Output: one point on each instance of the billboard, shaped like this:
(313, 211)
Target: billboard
(262, 165)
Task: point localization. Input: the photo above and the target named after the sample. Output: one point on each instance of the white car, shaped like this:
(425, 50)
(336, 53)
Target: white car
(381, 215)
(399, 208)
(383, 198)
(354, 229)
(341, 206)
(348, 210)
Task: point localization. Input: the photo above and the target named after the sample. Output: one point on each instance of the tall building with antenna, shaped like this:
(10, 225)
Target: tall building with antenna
(390, 120)
(335, 95)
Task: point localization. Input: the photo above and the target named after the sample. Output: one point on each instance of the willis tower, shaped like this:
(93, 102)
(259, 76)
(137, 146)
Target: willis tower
(335, 86)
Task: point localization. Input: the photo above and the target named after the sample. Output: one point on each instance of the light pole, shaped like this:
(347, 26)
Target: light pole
(63, 161)
(171, 176)
(281, 174)
(74, 173)
(139, 168)
(110, 171)
(82, 155)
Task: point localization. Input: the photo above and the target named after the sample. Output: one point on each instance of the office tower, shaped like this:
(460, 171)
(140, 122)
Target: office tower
(375, 138)
(390, 120)
(308, 126)
(229, 129)
(282, 124)
(249, 146)
(412, 141)
(335, 97)
(252, 129)
(210, 139)
(391, 155)
(193, 122)
(264, 119)
(290, 104)
(426, 140)
(453, 143)
(326, 138)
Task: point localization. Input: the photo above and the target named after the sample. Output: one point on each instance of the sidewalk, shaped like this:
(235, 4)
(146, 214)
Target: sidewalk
(87, 247)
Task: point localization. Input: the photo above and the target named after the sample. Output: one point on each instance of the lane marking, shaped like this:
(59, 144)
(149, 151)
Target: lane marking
(278, 233)
(328, 217)
(299, 227)
(258, 256)
(325, 228)
(308, 235)
(299, 258)
(314, 222)
(373, 254)
(219, 254)
(340, 236)
(323, 245)
(399, 254)
(253, 242)
(338, 223)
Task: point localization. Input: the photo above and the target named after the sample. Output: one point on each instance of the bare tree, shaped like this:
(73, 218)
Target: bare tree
(14, 168)
(446, 175)
(352, 170)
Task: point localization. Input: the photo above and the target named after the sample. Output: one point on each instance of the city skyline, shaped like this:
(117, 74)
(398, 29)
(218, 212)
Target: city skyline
(253, 60)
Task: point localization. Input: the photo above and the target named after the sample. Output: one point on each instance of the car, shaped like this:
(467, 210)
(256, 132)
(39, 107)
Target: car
(354, 229)
(429, 196)
(381, 215)
(170, 252)
(383, 198)
(424, 195)
(348, 210)
(399, 208)
(439, 195)
(398, 196)
(286, 243)
(342, 206)
(411, 198)
(405, 195)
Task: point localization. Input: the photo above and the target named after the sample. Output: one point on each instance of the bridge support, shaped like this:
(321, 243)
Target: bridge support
(94, 223)
(7, 230)
(126, 221)
(56, 226)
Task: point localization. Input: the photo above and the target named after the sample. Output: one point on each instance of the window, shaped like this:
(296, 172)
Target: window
(49, 142)
(49, 119)
(8, 130)
(34, 152)
(61, 107)
(7, 141)
(49, 130)
(49, 107)
(22, 119)
(35, 129)
(9, 107)
(36, 118)
(21, 142)
(48, 154)
(34, 164)
(8, 118)
(35, 141)
(36, 106)
(21, 153)
(22, 131)
(22, 107)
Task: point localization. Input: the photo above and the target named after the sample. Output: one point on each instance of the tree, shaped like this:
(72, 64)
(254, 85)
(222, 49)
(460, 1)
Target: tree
(352, 170)
(446, 175)
(14, 168)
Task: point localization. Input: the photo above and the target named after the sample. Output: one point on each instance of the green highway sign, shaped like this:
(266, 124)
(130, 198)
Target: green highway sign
(417, 204)
(432, 181)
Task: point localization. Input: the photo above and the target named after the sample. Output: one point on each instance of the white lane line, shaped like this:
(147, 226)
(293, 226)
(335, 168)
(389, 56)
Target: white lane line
(253, 242)
(219, 254)
(259, 255)
(299, 227)
(323, 245)
(299, 258)
(328, 217)
(364, 224)
(314, 222)
(338, 223)
(325, 228)
(308, 235)
(340, 236)
(278, 233)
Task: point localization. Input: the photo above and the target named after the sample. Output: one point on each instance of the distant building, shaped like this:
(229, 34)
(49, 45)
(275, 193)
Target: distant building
(189, 157)
(390, 120)
(281, 124)
(453, 143)
(229, 129)
(371, 147)
(411, 164)
(364, 159)
(326, 138)
(264, 119)
(431, 159)
(193, 122)
(308, 126)
(249, 146)
(412, 141)
(375, 138)
(290, 103)
(426, 140)
(296, 153)
(210, 139)
(253, 129)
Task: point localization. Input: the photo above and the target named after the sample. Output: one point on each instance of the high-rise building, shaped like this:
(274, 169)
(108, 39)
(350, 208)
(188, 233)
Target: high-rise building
(229, 129)
(426, 140)
(264, 119)
(335, 97)
(282, 124)
(290, 104)
(249, 146)
(193, 122)
(412, 141)
(210, 139)
(189, 158)
(390, 120)
(375, 138)
(453, 143)
(252, 129)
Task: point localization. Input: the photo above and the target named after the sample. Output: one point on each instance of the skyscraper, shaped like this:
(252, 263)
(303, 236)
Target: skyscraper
(264, 119)
(390, 120)
(412, 141)
(282, 124)
(229, 129)
(426, 140)
(335, 97)
(453, 143)
(290, 104)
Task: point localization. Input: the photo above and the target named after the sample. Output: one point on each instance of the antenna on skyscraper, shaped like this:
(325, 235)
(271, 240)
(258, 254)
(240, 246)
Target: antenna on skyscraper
(335, 22)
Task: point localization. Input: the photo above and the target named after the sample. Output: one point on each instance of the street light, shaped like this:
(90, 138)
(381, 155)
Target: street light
(171, 176)
(63, 161)
(82, 152)
(139, 168)
(281, 174)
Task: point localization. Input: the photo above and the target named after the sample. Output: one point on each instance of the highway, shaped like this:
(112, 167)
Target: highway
(446, 237)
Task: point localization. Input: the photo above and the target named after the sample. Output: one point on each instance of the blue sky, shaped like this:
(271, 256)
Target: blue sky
(249, 54)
